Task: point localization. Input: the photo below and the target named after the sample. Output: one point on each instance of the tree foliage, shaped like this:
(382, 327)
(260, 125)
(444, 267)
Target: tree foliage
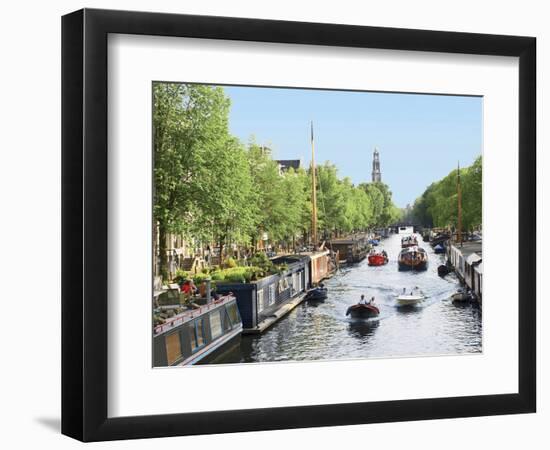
(438, 204)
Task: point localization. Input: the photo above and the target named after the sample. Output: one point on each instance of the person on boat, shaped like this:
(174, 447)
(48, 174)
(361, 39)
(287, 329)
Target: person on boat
(371, 301)
(362, 301)
(189, 287)
(404, 291)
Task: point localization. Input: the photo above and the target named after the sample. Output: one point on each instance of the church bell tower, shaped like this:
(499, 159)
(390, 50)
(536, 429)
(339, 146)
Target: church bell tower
(376, 174)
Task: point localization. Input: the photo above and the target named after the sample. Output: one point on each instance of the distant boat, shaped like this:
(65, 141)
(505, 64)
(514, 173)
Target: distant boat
(317, 294)
(414, 297)
(443, 270)
(439, 248)
(405, 230)
(378, 258)
(362, 311)
(439, 239)
(409, 241)
(374, 242)
(462, 296)
(413, 258)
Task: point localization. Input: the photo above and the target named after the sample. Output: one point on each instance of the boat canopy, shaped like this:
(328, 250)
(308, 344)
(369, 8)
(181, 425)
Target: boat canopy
(479, 268)
(473, 258)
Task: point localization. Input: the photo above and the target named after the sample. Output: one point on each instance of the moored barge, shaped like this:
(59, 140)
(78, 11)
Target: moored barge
(351, 250)
(198, 334)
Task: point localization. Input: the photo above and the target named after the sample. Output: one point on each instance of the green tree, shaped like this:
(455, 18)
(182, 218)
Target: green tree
(438, 204)
(189, 129)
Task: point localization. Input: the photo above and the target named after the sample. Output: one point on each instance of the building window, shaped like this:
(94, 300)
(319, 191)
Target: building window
(173, 348)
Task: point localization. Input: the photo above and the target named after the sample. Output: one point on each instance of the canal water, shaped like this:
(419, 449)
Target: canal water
(322, 331)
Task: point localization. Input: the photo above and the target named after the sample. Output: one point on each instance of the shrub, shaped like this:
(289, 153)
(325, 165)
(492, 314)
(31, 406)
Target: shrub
(199, 278)
(181, 276)
(230, 262)
(236, 277)
(218, 275)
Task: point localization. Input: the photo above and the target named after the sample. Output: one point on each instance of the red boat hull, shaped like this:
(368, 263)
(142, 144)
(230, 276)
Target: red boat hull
(377, 260)
(362, 311)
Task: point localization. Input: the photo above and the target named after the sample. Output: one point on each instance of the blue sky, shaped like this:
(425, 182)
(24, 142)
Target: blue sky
(420, 138)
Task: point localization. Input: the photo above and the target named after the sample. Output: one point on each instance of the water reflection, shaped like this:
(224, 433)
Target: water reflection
(363, 328)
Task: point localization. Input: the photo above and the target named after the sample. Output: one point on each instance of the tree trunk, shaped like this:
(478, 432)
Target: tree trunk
(163, 266)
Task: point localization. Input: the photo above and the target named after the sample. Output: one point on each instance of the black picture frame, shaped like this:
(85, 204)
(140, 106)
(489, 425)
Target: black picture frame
(84, 224)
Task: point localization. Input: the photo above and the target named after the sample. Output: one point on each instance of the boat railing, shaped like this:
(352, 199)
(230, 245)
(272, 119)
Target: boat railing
(186, 316)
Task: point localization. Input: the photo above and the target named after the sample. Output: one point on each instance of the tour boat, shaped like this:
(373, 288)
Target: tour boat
(412, 298)
(362, 311)
(317, 294)
(413, 258)
(378, 259)
(409, 241)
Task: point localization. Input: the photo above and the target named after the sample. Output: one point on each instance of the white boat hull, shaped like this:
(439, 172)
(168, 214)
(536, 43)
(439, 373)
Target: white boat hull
(410, 299)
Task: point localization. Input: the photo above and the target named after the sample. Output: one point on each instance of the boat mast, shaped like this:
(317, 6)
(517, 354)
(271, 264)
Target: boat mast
(459, 198)
(313, 194)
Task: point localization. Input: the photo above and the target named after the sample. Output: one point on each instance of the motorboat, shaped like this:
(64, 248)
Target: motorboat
(374, 242)
(443, 270)
(317, 294)
(439, 248)
(362, 311)
(413, 258)
(378, 258)
(411, 298)
(462, 295)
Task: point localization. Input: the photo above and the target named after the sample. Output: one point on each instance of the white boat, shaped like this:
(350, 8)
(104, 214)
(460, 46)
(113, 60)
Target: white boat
(411, 298)
(462, 295)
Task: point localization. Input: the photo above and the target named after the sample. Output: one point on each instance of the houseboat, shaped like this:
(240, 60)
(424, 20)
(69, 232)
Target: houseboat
(195, 335)
(350, 251)
(413, 258)
(263, 302)
(321, 266)
(466, 258)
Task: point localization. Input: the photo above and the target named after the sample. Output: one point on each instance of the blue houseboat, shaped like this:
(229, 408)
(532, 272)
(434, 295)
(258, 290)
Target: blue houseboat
(197, 335)
(264, 302)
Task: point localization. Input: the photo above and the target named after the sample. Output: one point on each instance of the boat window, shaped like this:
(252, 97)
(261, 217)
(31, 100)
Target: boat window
(271, 297)
(260, 300)
(233, 314)
(200, 332)
(173, 348)
(197, 334)
(216, 324)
